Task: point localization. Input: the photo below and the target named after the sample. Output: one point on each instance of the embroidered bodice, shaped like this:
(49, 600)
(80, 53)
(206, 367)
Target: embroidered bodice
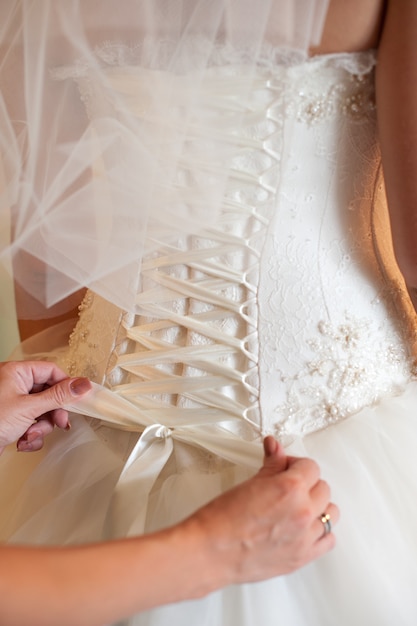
(287, 315)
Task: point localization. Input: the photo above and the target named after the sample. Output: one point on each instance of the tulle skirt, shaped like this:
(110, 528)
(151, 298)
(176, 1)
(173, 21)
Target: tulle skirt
(63, 493)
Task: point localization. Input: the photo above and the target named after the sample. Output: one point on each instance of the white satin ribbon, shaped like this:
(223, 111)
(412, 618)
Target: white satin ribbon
(153, 449)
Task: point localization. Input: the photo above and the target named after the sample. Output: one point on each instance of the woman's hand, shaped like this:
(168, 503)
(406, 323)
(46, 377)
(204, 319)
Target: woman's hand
(268, 525)
(271, 524)
(32, 395)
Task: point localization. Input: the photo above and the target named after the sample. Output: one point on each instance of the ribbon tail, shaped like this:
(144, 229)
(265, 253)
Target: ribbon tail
(128, 507)
(107, 406)
(224, 444)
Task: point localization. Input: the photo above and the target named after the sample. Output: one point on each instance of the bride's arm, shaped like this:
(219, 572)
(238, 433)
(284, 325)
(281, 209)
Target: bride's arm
(67, 310)
(396, 83)
(44, 318)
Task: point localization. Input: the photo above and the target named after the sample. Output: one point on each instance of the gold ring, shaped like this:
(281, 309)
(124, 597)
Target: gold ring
(327, 525)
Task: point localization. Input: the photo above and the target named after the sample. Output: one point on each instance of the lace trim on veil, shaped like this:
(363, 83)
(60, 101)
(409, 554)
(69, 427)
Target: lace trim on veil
(154, 55)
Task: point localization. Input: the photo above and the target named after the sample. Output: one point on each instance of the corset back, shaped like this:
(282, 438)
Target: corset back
(281, 316)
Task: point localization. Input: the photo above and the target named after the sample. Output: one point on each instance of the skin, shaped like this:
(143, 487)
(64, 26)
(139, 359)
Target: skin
(267, 526)
(396, 82)
(390, 27)
(351, 26)
(32, 394)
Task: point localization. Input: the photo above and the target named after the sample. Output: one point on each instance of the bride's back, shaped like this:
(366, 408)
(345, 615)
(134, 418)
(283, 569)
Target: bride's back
(351, 26)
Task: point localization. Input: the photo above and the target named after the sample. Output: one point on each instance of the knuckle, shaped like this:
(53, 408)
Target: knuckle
(326, 544)
(59, 394)
(291, 484)
(335, 512)
(324, 490)
(299, 560)
(302, 517)
(314, 467)
(325, 485)
(8, 366)
(37, 444)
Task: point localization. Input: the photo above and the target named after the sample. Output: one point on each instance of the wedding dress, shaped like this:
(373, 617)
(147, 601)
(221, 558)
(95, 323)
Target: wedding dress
(287, 316)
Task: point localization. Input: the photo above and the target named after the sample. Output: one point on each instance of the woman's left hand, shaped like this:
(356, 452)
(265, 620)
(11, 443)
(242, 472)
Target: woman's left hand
(32, 394)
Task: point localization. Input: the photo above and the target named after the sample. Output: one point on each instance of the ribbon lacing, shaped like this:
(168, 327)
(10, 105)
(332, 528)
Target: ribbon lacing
(192, 376)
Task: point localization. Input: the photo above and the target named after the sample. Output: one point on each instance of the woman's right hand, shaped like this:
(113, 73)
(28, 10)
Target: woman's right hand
(271, 524)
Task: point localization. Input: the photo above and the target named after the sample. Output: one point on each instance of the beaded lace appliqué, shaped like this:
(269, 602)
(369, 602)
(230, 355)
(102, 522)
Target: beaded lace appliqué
(342, 375)
(331, 340)
(93, 338)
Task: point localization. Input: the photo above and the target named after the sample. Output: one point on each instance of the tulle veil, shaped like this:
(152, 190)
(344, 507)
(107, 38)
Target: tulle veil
(77, 213)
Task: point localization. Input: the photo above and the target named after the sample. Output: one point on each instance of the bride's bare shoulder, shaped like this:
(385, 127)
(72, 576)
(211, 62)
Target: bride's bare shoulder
(352, 25)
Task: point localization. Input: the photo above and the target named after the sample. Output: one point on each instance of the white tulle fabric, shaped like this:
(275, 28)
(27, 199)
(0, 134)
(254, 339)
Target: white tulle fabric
(286, 316)
(81, 215)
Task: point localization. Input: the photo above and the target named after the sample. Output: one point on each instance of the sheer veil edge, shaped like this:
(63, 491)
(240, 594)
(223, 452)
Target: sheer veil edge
(110, 145)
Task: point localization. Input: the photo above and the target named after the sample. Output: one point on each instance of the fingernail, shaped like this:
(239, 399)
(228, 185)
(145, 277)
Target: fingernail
(270, 446)
(29, 437)
(68, 426)
(34, 434)
(23, 446)
(79, 386)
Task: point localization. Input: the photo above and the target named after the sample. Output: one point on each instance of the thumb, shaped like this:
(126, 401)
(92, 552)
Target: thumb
(275, 459)
(58, 395)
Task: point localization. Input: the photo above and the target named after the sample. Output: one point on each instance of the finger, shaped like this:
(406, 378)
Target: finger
(270, 446)
(304, 469)
(55, 397)
(30, 446)
(320, 496)
(23, 375)
(46, 373)
(59, 418)
(322, 546)
(326, 522)
(275, 459)
(42, 427)
(33, 438)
